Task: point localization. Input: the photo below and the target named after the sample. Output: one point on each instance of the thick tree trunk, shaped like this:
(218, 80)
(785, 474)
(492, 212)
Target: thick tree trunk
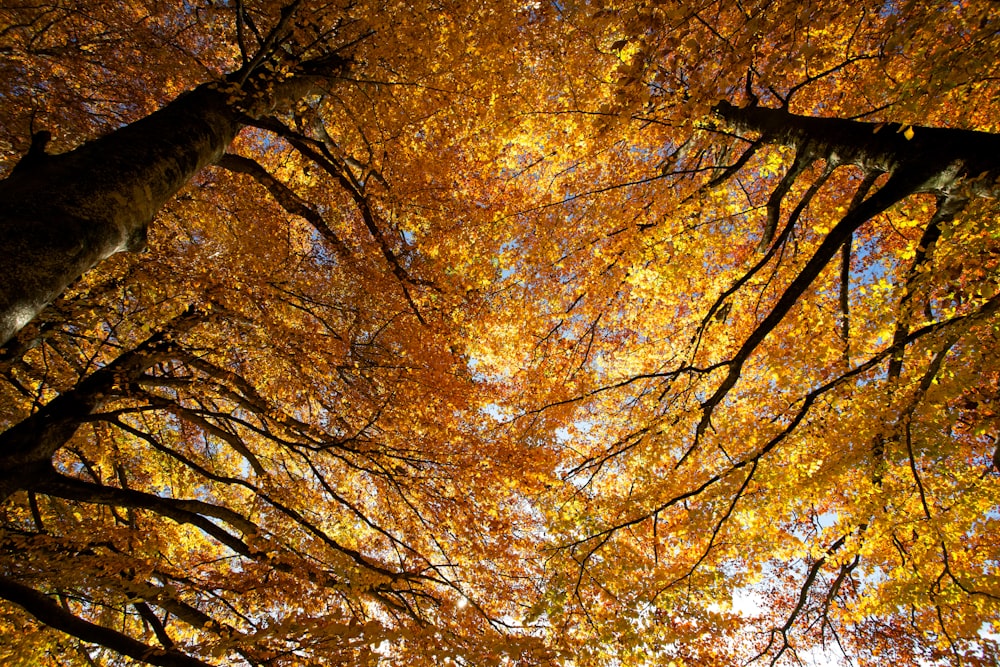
(939, 157)
(62, 214)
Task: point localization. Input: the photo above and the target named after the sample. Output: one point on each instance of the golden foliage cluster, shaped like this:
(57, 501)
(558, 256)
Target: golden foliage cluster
(485, 361)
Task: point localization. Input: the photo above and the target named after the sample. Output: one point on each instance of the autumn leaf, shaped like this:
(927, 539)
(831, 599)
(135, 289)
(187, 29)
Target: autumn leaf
(498, 334)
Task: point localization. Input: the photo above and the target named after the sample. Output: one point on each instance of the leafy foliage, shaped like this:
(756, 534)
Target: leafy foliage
(538, 333)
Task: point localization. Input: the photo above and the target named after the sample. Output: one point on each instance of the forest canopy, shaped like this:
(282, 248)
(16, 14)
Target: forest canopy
(499, 333)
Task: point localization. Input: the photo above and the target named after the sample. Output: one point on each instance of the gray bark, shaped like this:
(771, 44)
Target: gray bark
(60, 215)
(937, 158)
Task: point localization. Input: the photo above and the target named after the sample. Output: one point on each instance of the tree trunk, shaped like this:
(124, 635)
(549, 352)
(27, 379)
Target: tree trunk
(951, 163)
(62, 214)
(935, 157)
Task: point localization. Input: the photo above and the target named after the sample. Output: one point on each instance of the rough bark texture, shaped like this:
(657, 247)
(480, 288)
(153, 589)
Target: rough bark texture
(62, 214)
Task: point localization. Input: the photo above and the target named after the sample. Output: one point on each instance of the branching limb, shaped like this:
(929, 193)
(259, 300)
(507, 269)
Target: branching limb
(286, 197)
(53, 615)
(804, 157)
(243, 22)
(820, 75)
(27, 447)
(277, 35)
(772, 250)
(900, 185)
(947, 208)
(316, 151)
(990, 308)
(831, 594)
(153, 621)
(716, 529)
(195, 419)
(800, 605)
(845, 266)
(180, 510)
(732, 169)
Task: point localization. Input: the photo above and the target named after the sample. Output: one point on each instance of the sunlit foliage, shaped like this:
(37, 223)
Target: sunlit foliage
(528, 333)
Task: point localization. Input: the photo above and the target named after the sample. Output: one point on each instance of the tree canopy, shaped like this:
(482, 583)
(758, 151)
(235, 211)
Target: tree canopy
(499, 333)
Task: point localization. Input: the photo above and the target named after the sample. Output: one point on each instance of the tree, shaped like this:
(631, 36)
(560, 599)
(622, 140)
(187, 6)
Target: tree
(771, 340)
(437, 366)
(257, 442)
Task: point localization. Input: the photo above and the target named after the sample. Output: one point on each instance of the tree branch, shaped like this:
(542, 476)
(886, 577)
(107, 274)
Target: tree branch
(286, 197)
(27, 447)
(48, 612)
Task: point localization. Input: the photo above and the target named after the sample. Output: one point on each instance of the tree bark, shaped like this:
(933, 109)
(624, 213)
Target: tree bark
(62, 214)
(941, 155)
